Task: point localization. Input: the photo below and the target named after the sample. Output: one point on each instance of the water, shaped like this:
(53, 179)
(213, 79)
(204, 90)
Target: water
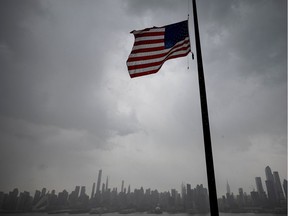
(141, 214)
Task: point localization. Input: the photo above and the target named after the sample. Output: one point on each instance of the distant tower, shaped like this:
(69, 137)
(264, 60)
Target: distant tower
(122, 186)
(259, 185)
(268, 173)
(228, 188)
(241, 196)
(77, 189)
(270, 186)
(99, 182)
(129, 189)
(260, 189)
(93, 190)
(43, 193)
(285, 187)
(83, 190)
(278, 187)
(107, 183)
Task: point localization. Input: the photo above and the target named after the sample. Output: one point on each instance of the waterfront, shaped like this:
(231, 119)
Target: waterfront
(144, 214)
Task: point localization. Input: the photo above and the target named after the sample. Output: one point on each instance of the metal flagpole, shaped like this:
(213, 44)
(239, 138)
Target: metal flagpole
(205, 121)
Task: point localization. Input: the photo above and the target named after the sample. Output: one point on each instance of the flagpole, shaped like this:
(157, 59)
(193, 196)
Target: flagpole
(205, 121)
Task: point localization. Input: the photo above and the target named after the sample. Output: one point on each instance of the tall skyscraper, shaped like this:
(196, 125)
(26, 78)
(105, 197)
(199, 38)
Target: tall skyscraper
(228, 188)
(106, 184)
(129, 189)
(285, 187)
(99, 182)
(268, 173)
(259, 185)
(77, 190)
(122, 187)
(270, 185)
(278, 187)
(82, 191)
(93, 190)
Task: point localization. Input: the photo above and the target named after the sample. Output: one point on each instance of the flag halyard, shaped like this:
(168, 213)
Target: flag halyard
(153, 46)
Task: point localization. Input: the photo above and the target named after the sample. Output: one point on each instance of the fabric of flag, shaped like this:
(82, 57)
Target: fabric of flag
(153, 46)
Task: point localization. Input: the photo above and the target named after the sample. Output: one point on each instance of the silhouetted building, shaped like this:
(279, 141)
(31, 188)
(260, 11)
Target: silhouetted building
(99, 182)
(62, 198)
(122, 186)
(106, 184)
(278, 188)
(37, 197)
(241, 197)
(93, 190)
(83, 190)
(285, 187)
(129, 189)
(43, 192)
(268, 173)
(261, 192)
(270, 185)
(228, 188)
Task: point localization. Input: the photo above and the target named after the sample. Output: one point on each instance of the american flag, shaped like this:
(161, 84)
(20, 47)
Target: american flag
(153, 46)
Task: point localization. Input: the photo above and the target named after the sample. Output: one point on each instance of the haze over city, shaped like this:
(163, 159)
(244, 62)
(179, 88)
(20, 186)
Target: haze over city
(69, 107)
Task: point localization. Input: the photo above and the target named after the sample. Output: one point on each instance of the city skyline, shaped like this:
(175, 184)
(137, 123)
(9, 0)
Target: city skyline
(192, 199)
(69, 108)
(256, 186)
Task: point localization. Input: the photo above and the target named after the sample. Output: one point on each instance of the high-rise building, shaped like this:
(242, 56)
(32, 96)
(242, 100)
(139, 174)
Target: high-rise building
(228, 188)
(129, 189)
(241, 197)
(83, 190)
(122, 186)
(99, 182)
(260, 190)
(77, 190)
(270, 185)
(106, 184)
(285, 187)
(259, 185)
(93, 190)
(268, 173)
(278, 187)
(43, 192)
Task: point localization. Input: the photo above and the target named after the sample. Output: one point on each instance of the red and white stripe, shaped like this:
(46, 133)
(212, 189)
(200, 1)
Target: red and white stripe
(149, 53)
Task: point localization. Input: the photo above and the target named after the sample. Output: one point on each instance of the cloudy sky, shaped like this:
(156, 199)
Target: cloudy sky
(69, 108)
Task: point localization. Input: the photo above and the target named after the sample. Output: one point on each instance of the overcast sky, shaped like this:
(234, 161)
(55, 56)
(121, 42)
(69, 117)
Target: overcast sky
(68, 106)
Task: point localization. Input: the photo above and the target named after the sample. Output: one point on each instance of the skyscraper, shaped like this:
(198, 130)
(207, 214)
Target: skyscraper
(268, 173)
(270, 186)
(82, 191)
(285, 187)
(122, 187)
(99, 182)
(93, 190)
(278, 187)
(228, 188)
(106, 184)
(77, 190)
(259, 185)
(260, 190)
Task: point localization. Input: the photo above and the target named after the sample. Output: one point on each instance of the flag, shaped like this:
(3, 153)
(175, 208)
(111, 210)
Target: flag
(153, 46)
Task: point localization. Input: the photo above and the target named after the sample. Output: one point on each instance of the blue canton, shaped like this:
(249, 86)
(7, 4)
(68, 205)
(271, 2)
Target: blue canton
(175, 33)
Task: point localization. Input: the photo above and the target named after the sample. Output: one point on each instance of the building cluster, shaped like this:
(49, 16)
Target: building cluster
(104, 199)
(107, 200)
(275, 200)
